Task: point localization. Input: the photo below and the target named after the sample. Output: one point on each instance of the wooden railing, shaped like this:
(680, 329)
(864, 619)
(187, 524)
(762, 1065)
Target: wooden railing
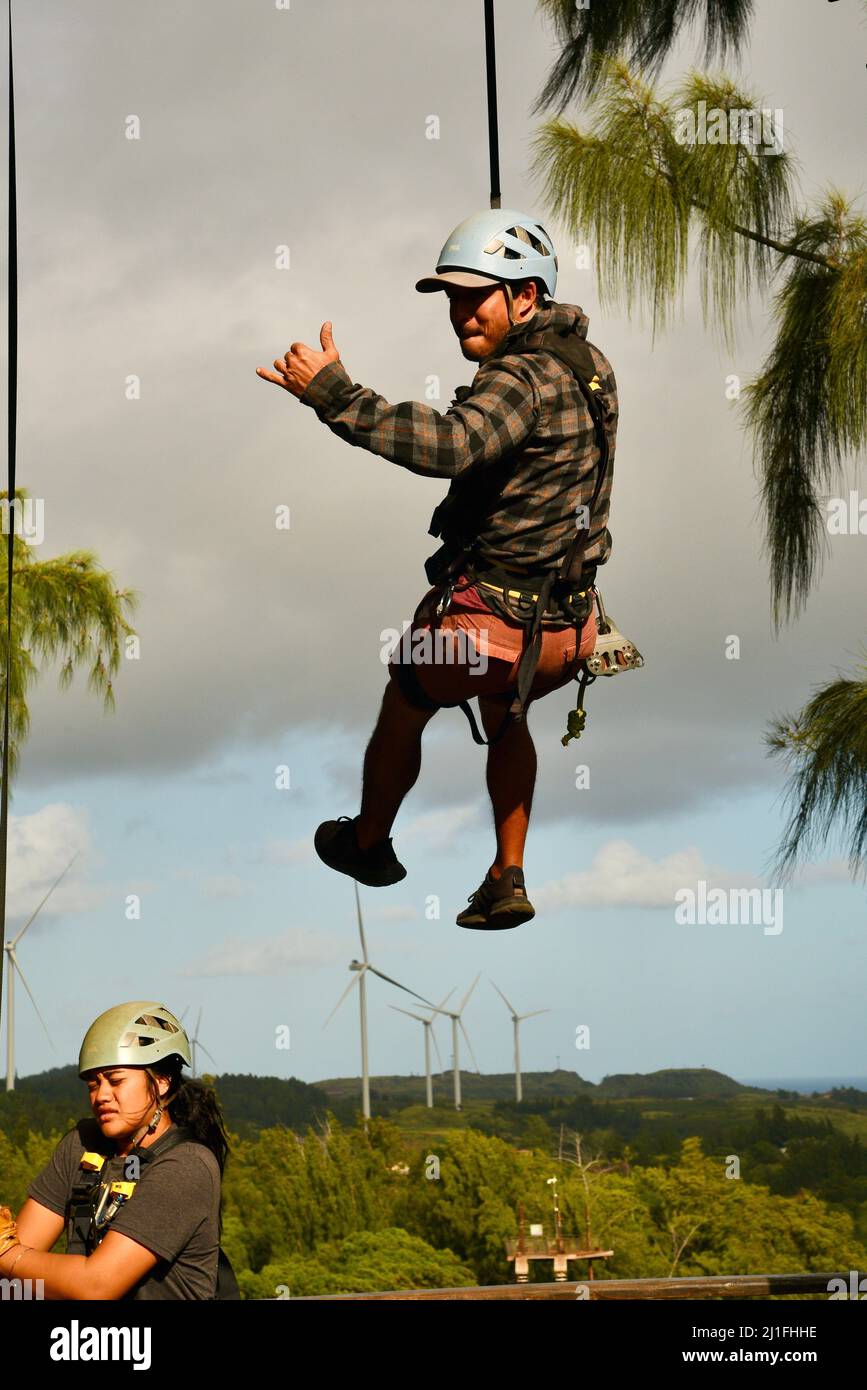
(711, 1286)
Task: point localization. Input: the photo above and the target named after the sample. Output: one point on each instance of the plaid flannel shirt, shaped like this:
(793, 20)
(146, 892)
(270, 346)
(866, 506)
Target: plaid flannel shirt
(518, 445)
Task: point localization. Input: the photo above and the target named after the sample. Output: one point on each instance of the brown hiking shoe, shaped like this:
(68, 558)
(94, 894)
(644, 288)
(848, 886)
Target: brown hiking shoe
(498, 903)
(336, 844)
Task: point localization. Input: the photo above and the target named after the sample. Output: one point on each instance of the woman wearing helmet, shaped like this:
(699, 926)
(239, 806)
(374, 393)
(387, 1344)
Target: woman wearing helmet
(137, 1186)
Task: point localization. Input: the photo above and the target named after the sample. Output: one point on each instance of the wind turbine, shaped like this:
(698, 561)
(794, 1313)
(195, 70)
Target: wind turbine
(455, 1016)
(14, 964)
(516, 1019)
(428, 1024)
(194, 1043)
(361, 967)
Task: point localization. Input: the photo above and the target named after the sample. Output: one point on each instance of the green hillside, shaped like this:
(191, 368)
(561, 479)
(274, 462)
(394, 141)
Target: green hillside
(55, 1099)
(685, 1083)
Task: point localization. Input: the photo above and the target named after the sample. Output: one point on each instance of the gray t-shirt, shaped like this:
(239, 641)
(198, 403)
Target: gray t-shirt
(174, 1210)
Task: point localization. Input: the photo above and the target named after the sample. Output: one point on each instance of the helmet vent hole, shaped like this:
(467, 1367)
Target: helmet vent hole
(151, 1021)
(522, 234)
(131, 1039)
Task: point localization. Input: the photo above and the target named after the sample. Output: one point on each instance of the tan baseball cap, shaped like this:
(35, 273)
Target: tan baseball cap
(468, 279)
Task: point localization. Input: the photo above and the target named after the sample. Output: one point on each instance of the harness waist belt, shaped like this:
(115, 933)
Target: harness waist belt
(522, 593)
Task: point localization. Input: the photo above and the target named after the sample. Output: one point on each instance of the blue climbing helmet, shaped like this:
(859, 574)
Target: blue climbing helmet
(498, 246)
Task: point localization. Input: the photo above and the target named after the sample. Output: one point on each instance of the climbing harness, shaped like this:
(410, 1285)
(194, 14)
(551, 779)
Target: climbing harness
(95, 1201)
(612, 653)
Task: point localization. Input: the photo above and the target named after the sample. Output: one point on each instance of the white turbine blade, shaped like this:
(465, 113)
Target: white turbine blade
(198, 1022)
(438, 1008)
(446, 1013)
(354, 981)
(360, 925)
(469, 992)
(534, 1014)
(469, 1044)
(13, 961)
(202, 1048)
(44, 901)
(181, 1016)
(398, 1010)
(373, 970)
(506, 1002)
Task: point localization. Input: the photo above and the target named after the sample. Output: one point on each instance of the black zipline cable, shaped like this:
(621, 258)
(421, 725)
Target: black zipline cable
(493, 137)
(11, 406)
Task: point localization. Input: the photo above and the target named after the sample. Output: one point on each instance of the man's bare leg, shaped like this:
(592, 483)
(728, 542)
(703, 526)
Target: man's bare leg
(511, 777)
(391, 764)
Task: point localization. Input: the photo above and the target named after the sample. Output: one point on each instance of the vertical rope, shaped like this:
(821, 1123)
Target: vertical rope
(493, 137)
(12, 401)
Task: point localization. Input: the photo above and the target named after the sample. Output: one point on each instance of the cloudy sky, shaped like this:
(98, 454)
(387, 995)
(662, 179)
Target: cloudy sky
(305, 127)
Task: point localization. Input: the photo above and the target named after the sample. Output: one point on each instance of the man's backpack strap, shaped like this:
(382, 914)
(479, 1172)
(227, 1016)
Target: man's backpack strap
(573, 351)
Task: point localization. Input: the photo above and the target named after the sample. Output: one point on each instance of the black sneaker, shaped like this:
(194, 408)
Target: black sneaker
(336, 844)
(498, 903)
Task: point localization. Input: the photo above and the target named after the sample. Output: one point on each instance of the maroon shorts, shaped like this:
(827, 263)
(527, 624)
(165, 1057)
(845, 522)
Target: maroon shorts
(496, 637)
(502, 644)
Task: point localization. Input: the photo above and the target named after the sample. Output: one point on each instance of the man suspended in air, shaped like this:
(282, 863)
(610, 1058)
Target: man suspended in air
(528, 449)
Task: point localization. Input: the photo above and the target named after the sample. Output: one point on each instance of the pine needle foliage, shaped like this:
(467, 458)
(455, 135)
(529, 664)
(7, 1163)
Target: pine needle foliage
(65, 608)
(656, 200)
(642, 32)
(808, 407)
(640, 187)
(825, 749)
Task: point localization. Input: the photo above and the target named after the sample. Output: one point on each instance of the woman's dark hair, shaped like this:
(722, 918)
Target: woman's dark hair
(192, 1104)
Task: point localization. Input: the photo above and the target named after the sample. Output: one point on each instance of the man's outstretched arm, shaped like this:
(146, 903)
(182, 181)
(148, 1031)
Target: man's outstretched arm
(495, 419)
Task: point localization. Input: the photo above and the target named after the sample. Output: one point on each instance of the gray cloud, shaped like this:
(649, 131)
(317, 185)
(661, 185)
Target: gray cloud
(156, 257)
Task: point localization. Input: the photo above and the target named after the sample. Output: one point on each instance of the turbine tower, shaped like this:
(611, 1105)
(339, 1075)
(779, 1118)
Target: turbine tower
(428, 1034)
(516, 1020)
(457, 1021)
(361, 967)
(194, 1043)
(12, 965)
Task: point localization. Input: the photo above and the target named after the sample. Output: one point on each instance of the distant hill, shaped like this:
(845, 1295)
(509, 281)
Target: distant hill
(408, 1090)
(55, 1099)
(677, 1083)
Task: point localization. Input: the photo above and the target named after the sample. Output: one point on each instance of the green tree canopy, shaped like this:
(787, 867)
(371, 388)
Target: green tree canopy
(644, 32)
(67, 608)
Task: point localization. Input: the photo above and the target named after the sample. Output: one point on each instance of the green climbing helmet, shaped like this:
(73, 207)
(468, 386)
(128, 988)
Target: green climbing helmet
(498, 246)
(133, 1035)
